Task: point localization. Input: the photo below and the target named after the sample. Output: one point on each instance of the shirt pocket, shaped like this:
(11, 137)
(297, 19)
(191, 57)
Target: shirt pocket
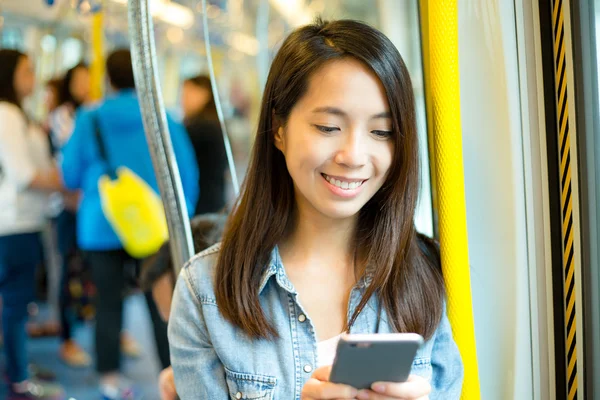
(422, 367)
(250, 386)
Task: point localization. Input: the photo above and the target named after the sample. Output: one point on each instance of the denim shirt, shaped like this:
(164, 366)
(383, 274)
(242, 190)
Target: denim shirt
(212, 359)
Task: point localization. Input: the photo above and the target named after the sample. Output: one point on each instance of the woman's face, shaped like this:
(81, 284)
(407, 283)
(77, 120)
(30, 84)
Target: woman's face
(24, 79)
(337, 141)
(193, 99)
(80, 85)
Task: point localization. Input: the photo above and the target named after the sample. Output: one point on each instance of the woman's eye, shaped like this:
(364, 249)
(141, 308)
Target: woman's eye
(327, 129)
(382, 134)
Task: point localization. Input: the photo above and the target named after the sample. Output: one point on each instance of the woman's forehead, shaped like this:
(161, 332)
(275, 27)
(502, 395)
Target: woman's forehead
(347, 85)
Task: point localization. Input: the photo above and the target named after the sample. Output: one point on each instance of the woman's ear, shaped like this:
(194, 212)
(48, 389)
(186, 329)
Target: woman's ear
(278, 132)
(279, 139)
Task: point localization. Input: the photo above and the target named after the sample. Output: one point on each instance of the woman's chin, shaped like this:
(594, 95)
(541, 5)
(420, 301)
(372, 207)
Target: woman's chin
(339, 212)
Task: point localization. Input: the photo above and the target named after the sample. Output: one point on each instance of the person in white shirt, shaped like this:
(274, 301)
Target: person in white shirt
(27, 176)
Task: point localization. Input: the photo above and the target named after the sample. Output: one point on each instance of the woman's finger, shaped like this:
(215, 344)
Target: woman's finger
(371, 395)
(414, 388)
(322, 373)
(315, 389)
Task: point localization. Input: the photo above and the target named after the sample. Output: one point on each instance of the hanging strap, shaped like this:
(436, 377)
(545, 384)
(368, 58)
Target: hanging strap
(102, 147)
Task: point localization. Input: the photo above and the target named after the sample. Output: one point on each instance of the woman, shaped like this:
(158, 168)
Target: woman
(27, 176)
(202, 124)
(51, 102)
(322, 240)
(74, 92)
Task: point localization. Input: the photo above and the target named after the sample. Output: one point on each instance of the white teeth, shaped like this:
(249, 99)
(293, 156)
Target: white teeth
(343, 184)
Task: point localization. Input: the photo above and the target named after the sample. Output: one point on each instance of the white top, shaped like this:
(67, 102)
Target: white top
(61, 125)
(24, 150)
(326, 350)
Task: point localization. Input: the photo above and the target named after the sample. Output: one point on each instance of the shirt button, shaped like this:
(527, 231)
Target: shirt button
(302, 318)
(307, 369)
(238, 395)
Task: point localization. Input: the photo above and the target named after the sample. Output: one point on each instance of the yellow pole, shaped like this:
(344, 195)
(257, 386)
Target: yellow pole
(440, 37)
(97, 65)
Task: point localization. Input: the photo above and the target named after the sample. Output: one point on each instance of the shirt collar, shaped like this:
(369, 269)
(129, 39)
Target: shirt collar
(277, 270)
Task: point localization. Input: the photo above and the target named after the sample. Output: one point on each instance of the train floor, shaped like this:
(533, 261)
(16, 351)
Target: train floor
(82, 384)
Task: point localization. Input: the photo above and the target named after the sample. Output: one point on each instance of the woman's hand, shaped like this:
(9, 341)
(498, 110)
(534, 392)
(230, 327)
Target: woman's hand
(166, 384)
(71, 200)
(318, 387)
(415, 388)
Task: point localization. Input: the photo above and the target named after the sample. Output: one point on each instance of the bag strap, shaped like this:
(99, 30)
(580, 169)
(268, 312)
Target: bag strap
(101, 146)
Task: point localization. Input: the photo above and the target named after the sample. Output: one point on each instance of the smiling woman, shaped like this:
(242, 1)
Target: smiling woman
(342, 148)
(322, 240)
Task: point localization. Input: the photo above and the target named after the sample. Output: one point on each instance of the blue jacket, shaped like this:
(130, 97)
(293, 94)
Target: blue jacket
(212, 359)
(120, 123)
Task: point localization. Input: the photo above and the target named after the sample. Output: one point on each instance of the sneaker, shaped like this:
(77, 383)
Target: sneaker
(125, 392)
(73, 355)
(129, 346)
(37, 390)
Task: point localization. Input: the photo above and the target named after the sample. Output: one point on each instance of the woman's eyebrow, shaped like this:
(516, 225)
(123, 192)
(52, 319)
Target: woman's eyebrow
(383, 115)
(341, 113)
(330, 110)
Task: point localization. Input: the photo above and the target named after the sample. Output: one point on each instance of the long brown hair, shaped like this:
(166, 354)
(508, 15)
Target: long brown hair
(409, 286)
(66, 95)
(9, 59)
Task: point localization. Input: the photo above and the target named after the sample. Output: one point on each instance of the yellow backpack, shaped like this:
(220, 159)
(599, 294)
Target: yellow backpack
(132, 207)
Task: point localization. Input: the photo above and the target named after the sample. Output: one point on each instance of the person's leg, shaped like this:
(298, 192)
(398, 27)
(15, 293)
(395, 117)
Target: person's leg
(70, 352)
(65, 322)
(160, 331)
(19, 256)
(67, 246)
(107, 273)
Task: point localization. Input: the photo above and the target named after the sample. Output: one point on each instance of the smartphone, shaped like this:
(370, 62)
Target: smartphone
(362, 360)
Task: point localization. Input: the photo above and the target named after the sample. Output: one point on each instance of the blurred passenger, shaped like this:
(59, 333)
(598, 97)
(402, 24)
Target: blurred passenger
(51, 101)
(74, 92)
(118, 122)
(27, 176)
(52, 96)
(202, 124)
(158, 275)
(158, 272)
(239, 99)
(322, 241)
